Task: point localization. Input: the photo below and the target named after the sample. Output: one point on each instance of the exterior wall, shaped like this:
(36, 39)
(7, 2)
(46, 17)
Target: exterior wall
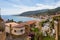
(7, 29)
(17, 31)
(56, 29)
(38, 25)
(59, 28)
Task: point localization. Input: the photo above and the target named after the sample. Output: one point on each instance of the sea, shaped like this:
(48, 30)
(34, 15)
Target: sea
(17, 18)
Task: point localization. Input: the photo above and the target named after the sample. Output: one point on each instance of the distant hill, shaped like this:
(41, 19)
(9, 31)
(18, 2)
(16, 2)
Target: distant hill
(41, 12)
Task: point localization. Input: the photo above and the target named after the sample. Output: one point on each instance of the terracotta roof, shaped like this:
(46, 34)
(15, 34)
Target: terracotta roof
(31, 22)
(16, 25)
(11, 23)
(20, 25)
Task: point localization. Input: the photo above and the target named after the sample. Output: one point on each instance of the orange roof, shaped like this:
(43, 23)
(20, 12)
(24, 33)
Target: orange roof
(16, 25)
(31, 22)
(11, 23)
(20, 25)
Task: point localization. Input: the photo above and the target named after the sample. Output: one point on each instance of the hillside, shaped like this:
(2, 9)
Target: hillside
(41, 12)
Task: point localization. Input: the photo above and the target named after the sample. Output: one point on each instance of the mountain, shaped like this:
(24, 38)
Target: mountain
(41, 12)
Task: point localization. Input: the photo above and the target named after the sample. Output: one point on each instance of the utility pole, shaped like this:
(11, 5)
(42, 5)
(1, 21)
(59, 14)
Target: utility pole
(10, 32)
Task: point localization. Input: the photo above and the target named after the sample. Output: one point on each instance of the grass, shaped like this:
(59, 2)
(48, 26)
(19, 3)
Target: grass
(48, 38)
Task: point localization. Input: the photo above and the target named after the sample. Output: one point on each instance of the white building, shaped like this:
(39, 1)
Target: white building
(15, 28)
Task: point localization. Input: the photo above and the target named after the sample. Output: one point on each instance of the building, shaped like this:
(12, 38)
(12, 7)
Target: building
(19, 28)
(31, 23)
(15, 28)
(57, 28)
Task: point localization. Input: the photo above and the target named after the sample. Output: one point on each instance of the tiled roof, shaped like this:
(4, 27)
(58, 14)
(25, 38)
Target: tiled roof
(20, 25)
(31, 22)
(11, 23)
(16, 25)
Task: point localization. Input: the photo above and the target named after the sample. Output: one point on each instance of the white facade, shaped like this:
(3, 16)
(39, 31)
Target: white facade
(18, 31)
(15, 31)
(7, 29)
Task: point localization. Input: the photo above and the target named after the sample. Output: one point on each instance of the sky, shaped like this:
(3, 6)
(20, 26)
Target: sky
(11, 7)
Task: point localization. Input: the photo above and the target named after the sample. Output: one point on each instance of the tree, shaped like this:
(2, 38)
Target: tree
(1, 28)
(19, 21)
(38, 34)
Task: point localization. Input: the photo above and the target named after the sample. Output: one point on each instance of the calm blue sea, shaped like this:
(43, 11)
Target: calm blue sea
(17, 18)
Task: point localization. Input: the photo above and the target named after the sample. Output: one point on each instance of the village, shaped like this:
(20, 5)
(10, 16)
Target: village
(29, 19)
(44, 29)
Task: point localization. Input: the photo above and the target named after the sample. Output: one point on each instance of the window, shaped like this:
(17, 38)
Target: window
(34, 25)
(18, 31)
(14, 30)
(31, 25)
(21, 30)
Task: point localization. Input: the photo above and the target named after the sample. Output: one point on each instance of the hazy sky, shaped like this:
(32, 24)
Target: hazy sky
(9, 7)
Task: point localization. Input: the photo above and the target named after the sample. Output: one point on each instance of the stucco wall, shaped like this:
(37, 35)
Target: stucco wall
(18, 31)
(7, 29)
